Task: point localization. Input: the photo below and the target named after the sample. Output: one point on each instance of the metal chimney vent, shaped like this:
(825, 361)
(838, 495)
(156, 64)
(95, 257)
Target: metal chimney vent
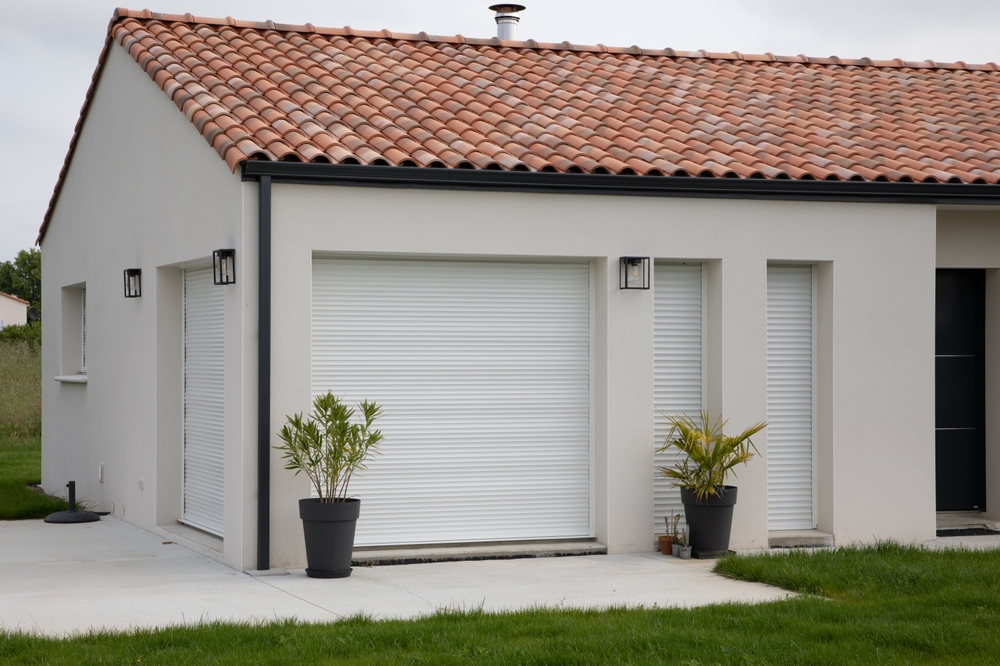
(507, 19)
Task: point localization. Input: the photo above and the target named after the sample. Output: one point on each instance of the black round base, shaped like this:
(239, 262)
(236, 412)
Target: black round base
(66, 517)
(329, 574)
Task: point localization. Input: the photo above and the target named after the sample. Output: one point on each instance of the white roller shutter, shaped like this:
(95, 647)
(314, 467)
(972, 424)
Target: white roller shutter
(83, 330)
(790, 449)
(483, 369)
(677, 368)
(203, 393)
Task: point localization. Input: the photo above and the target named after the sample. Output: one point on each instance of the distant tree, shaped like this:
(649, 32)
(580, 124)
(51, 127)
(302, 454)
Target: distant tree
(23, 276)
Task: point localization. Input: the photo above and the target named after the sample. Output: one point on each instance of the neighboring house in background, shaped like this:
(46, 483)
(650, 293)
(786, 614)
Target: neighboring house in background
(439, 223)
(13, 310)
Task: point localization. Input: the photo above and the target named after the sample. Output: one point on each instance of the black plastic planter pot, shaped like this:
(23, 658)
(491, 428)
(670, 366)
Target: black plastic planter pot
(709, 522)
(329, 531)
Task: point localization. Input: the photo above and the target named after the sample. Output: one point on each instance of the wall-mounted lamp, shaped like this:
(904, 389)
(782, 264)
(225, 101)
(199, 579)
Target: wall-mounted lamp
(133, 282)
(224, 264)
(634, 273)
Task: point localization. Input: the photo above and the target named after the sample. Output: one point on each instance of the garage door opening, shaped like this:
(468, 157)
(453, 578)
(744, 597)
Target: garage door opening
(484, 372)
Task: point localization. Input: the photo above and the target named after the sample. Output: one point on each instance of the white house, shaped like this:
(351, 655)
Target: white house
(439, 224)
(13, 310)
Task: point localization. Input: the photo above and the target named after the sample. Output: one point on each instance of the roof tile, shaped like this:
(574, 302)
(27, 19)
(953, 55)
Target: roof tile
(259, 90)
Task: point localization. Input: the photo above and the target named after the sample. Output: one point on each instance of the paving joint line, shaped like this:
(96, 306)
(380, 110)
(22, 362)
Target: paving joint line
(295, 596)
(411, 593)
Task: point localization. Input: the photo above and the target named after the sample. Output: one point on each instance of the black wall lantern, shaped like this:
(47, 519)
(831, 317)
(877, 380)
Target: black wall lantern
(634, 273)
(224, 263)
(133, 282)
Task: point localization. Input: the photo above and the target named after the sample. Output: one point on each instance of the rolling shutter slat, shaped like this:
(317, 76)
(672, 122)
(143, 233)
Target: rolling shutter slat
(483, 369)
(790, 398)
(677, 369)
(203, 396)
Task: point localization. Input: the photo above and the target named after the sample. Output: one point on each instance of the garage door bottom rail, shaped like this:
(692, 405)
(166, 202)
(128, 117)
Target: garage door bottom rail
(386, 556)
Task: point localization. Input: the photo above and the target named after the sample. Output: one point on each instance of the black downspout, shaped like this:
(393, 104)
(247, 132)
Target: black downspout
(264, 376)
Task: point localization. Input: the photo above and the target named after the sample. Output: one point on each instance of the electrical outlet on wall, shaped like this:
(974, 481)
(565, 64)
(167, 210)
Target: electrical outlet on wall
(100, 472)
(142, 484)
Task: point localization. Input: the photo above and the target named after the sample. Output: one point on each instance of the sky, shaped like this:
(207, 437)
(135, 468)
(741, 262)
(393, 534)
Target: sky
(49, 50)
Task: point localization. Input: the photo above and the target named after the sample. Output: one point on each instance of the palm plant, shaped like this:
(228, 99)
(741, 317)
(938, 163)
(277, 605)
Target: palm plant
(709, 454)
(329, 447)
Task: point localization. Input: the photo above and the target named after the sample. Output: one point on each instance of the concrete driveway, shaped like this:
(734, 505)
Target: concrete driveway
(62, 579)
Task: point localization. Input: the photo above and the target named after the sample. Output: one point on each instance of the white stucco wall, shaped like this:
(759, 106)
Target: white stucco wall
(971, 239)
(144, 191)
(12, 311)
(875, 381)
(968, 238)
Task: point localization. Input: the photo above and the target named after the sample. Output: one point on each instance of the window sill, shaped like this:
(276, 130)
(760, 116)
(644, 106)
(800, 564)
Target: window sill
(72, 379)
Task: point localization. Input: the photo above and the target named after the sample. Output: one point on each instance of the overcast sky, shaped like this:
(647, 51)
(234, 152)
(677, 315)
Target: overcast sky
(49, 48)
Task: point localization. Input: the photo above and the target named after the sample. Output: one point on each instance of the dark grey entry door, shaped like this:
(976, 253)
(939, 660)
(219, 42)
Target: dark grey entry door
(960, 387)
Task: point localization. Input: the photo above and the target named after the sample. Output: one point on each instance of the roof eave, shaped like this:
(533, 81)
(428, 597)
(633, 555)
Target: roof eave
(15, 298)
(663, 186)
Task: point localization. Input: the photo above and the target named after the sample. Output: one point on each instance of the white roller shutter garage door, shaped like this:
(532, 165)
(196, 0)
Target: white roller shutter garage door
(790, 450)
(677, 369)
(483, 370)
(203, 394)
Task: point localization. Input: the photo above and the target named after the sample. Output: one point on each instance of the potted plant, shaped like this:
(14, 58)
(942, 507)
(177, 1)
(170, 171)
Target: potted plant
(676, 545)
(709, 455)
(330, 447)
(684, 545)
(666, 540)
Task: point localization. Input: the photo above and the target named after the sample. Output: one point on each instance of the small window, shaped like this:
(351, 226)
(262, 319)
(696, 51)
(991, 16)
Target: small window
(74, 330)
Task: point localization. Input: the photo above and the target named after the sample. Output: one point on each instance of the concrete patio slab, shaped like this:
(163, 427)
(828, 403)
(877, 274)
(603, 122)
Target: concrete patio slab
(64, 579)
(971, 542)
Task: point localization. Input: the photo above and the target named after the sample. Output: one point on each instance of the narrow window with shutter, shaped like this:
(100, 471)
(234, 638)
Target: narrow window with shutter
(790, 376)
(678, 368)
(203, 402)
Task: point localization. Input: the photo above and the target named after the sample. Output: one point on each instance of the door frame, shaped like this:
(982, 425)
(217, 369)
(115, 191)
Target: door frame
(981, 367)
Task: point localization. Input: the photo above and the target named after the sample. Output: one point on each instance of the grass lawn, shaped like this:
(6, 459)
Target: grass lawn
(20, 388)
(884, 605)
(20, 464)
(21, 433)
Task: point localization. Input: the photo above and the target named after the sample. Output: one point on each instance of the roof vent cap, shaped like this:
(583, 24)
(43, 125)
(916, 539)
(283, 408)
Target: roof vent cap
(507, 19)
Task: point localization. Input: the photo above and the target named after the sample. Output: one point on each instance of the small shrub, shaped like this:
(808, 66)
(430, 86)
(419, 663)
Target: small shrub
(31, 333)
(328, 446)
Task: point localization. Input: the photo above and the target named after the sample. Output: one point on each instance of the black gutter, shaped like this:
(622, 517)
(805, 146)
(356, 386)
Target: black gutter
(264, 375)
(660, 186)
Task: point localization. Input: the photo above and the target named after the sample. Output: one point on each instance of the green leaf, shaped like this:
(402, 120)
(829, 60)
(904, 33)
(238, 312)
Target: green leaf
(709, 455)
(329, 446)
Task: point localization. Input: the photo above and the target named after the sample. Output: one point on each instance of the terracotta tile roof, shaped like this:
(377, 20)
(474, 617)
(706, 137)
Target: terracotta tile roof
(302, 93)
(15, 298)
